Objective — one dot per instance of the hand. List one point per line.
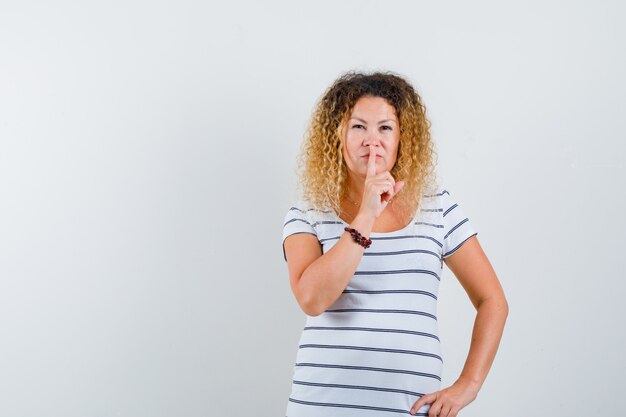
(447, 402)
(379, 189)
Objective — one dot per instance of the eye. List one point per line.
(386, 127)
(357, 126)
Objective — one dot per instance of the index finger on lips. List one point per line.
(371, 163)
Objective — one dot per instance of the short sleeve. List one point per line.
(456, 225)
(296, 221)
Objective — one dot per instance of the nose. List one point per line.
(372, 139)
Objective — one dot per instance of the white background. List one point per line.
(147, 155)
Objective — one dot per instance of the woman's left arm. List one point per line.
(474, 271)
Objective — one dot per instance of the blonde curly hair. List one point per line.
(322, 170)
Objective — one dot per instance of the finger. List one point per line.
(385, 187)
(421, 402)
(415, 409)
(445, 411)
(385, 191)
(435, 409)
(390, 177)
(397, 187)
(371, 162)
(388, 193)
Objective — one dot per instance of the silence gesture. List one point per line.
(379, 188)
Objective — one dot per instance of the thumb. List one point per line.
(399, 185)
(396, 188)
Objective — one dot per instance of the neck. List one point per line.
(354, 189)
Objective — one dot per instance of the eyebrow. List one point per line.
(382, 121)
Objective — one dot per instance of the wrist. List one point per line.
(364, 223)
(469, 383)
(358, 237)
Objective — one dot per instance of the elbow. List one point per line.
(503, 307)
(312, 312)
(496, 304)
(308, 299)
(311, 307)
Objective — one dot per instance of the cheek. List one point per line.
(395, 143)
(394, 149)
(345, 152)
(351, 147)
(390, 143)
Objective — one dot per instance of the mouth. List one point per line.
(367, 156)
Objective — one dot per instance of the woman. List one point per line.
(365, 248)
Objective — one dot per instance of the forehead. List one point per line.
(373, 107)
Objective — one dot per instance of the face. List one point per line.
(372, 124)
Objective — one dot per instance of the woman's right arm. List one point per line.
(317, 280)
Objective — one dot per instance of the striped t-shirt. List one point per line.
(376, 350)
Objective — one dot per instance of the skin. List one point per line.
(370, 150)
(474, 271)
(369, 181)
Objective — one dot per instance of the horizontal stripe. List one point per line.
(359, 387)
(375, 310)
(296, 220)
(404, 237)
(310, 209)
(392, 292)
(403, 252)
(368, 368)
(438, 226)
(372, 329)
(373, 238)
(373, 349)
(399, 271)
(326, 222)
(363, 407)
(431, 224)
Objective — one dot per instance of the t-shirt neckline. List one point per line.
(393, 232)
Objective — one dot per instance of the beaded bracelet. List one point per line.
(358, 238)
